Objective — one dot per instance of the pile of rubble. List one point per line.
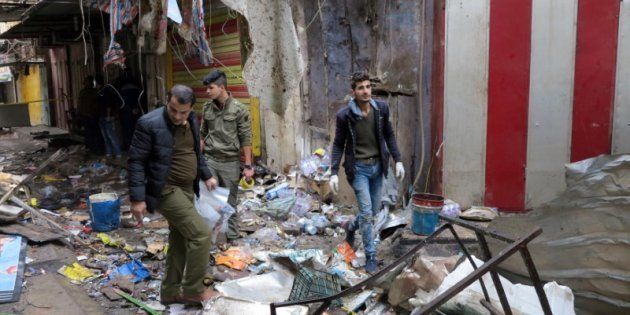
(292, 243)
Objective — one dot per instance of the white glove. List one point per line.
(400, 171)
(334, 184)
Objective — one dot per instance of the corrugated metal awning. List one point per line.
(54, 22)
(12, 10)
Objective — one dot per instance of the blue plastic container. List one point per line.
(104, 211)
(424, 219)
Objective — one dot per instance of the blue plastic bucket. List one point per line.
(424, 219)
(104, 211)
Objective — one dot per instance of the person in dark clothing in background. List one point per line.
(131, 110)
(108, 104)
(87, 111)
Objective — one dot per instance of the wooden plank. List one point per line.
(465, 100)
(621, 120)
(508, 100)
(256, 126)
(550, 98)
(595, 60)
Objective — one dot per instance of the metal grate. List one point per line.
(310, 283)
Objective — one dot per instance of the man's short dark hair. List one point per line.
(357, 77)
(99, 79)
(183, 94)
(89, 80)
(216, 77)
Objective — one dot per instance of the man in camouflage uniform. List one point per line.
(225, 131)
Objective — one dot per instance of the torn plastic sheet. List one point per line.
(227, 306)
(522, 298)
(266, 288)
(355, 301)
(348, 276)
(586, 240)
(76, 273)
(390, 189)
(134, 270)
(214, 209)
(298, 257)
(235, 257)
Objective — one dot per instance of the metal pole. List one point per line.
(494, 275)
(472, 262)
(533, 274)
(468, 280)
(365, 283)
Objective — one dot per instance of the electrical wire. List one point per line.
(82, 36)
(319, 12)
(178, 54)
(140, 61)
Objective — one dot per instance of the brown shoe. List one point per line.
(199, 298)
(166, 300)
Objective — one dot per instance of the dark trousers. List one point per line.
(93, 137)
(128, 126)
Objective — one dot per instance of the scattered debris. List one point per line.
(137, 302)
(76, 273)
(477, 213)
(291, 247)
(235, 258)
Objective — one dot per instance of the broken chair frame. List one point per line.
(490, 266)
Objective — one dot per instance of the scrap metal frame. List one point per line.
(490, 266)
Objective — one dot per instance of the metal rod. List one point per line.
(472, 277)
(472, 262)
(408, 242)
(363, 284)
(322, 308)
(476, 228)
(533, 274)
(489, 266)
(494, 275)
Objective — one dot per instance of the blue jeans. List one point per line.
(109, 136)
(367, 183)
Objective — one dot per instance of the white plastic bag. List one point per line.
(213, 207)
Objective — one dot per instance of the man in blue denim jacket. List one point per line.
(364, 133)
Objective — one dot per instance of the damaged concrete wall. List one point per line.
(393, 41)
(304, 54)
(273, 73)
(275, 67)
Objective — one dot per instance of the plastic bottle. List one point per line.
(310, 229)
(273, 193)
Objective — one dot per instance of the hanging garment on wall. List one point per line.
(115, 55)
(121, 13)
(162, 23)
(193, 31)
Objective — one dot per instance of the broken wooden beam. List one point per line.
(30, 177)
